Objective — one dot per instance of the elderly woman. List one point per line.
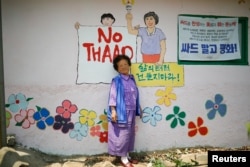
(123, 108)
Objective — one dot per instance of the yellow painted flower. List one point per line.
(166, 96)
(87, 117)
(104, 121)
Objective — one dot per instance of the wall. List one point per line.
(40, 48)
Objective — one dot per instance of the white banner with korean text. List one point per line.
(98, 46)
(208, 39)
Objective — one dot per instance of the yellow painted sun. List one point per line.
(125, 2)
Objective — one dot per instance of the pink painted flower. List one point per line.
(95, 130)
(25, 118)
(66, 109)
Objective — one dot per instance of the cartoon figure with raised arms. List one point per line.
(153, 45)
(107, 20)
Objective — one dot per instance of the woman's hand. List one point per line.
(114, 115)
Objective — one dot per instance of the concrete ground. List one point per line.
(22, 157)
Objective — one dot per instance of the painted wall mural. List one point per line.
(90, 124)
(97, 47)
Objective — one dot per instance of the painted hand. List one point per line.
(129, 16)
(159, 63)
(77, 25)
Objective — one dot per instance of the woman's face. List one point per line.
(123, 67)
(150, 21)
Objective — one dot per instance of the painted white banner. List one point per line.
(208, 39)
(97, 48)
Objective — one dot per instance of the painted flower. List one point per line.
(103, 121)
(87, 117)
(166, 96)
(63, 123)
(25, 118)
(197, 128)
(95, 130)
(151, 115)
(216, 106)
(79, 131)
(17, 102)
(104, 137)
(66, 109)
(8, 118)
(42, 116)
(177, 117)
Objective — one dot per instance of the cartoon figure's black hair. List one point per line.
(107, 15)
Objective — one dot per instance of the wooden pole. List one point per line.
(2, 97)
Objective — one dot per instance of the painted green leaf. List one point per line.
(38, 108)
(174, 123)
(30, 98)
(170, 116)
(181, 122)
(19, 123)
(176, 109)
(182, 114)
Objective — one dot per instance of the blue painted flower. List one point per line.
(151, 115)
(216, 106)
(42, 116)
(79, 131)
(177, 116)
(17, 102)
(63, 123)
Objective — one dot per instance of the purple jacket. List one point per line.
(120, 102)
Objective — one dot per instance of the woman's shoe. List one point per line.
(127, 164)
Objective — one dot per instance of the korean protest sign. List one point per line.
(208, 38)
(97, 48)
(167, 74)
